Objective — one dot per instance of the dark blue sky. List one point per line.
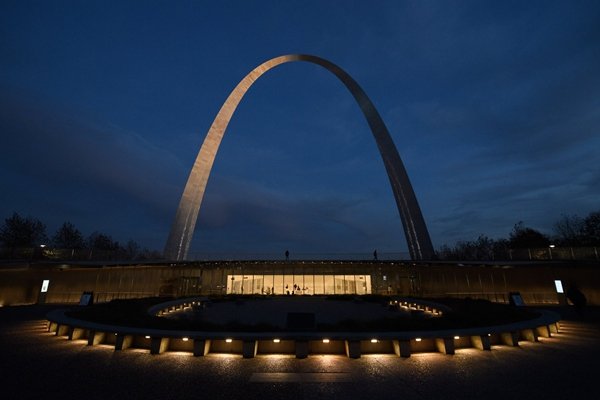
(494, 107)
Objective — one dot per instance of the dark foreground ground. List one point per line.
(37, 365)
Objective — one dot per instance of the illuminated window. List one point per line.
(299, 284)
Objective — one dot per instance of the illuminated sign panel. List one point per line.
(45, 284)
(559, 286)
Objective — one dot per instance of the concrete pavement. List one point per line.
(35, 364)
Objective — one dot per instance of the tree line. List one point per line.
(20, 232)
(568, 231)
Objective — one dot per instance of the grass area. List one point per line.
(465, 313)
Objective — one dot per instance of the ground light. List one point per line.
(64, 325)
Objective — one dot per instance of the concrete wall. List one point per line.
(21, 284)
(535, 282)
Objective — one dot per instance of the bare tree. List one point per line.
(591, 229)
(569, 230)
(102, 241)
(132, 250)
(68, 237)
(524, 237)
(22, 232)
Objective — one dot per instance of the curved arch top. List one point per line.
(182, 230)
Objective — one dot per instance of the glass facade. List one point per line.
(298, 284)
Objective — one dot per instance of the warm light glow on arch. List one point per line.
(180, 237)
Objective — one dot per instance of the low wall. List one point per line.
(21, 284)
(249, 344)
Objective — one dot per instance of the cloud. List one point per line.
(83, 162)
(247, 213)
(494, 108)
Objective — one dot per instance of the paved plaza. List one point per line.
(35, 364)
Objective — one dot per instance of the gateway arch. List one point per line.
(417, 236)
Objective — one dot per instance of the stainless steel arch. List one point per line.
(417, 236)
